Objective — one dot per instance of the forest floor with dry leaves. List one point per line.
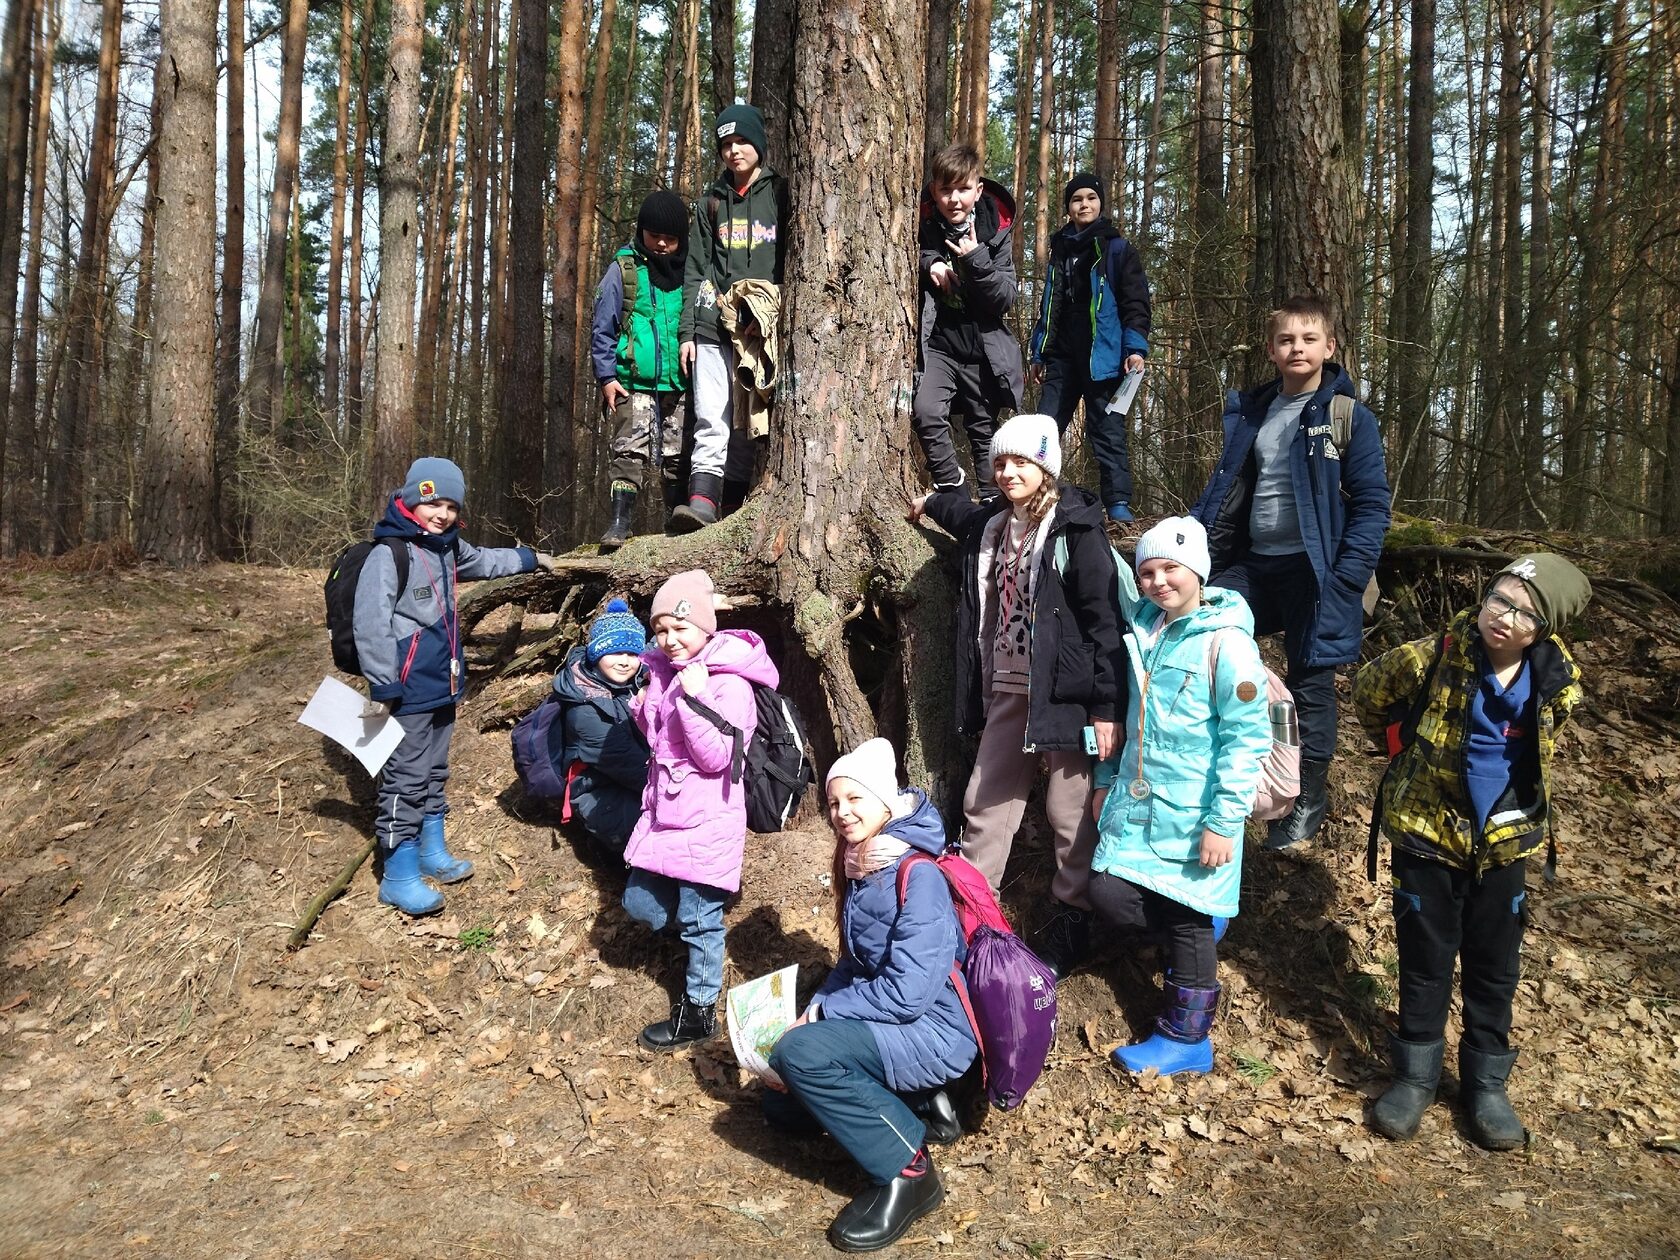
(174, 1083)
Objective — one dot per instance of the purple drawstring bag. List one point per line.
(1007, 991)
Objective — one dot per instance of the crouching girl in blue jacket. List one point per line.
(869, 1058)
(1171, 805)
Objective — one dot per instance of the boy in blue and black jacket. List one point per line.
(408, 640)
(1093, 327)
(602, 756)
(1295, 521)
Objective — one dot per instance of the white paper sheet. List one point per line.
(1121, 403)
(336, 711)
(758, 1013)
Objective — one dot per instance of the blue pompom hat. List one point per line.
(615, 630)
(433, 478)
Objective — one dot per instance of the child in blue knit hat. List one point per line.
(600, 753)
(408, 641)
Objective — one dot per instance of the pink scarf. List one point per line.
(868, 856)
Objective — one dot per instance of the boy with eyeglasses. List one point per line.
(1470, 721)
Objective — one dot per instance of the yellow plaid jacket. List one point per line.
(1425, 805)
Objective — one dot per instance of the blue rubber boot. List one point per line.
(401, 885)
(1221, 925)
(1120, 512)
(436, 861)
(1180, 1042)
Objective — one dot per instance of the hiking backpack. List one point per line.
(536, 738)
(774, 765)
(1280, 770)
(1007, 992)
(340, 591)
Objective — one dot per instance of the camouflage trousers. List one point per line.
(636, 419)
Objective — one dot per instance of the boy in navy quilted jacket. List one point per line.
(408, 638)
(603, 757)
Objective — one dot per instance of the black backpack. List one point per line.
(774, 765)
(342, 577)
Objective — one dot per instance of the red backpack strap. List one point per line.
(959, 982)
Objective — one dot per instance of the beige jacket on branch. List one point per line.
(749, 313)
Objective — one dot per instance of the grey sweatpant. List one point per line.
(997, 797)
(411, 785)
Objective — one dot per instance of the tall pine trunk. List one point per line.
(224, 507)
(399, 196)
(558, 471)
(1415, 285)
(174, 521)
(335, 235)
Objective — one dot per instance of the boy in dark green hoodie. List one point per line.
(737, 235)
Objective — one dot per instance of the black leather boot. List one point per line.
(1417, 1075)
(939, 1114)
(1488, 1114)
(623, 507)
(689, 1022)
(705, 494)
(881, 1214)
(1065, 940)
(1303, 822)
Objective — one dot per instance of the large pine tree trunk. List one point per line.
(224, 506)
(267, 385)
(1414, 286)
(558, 471)
(1105, 141)
(722, 13)
(977, 75)
(15, 119)
(399, 195)
(772, 72)
(353, 388)
(1304, 203)
(174, 520)
(23, 482)
(77, 394)
(935, 134)
(520, 449)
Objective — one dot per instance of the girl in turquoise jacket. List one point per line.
(1171, 804)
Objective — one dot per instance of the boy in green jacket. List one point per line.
(737, 235)
(633, 349)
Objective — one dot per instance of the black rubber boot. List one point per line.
(623, 509)
(1493, 1123)
(1064, 942)
(705, 493)
(689, 1022)
(1416, 1075)
(734, 494)
(676, 494)
(1303, 822)
(881, 1214)
(939, 1114)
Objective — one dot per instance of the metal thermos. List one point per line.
(1285, 729)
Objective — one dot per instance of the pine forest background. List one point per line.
(1485, 189)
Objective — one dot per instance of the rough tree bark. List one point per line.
(353, 396)
(1305, 205)
(224, 507)
(935, 133)
(772, 70)
(335, 234)
(266, 379)
(520, 438)
(558, 472)
(722, 14)
(1105, 139)
(1413, 288)
(174, 520)
(15, 120)
(399, 195)
(977, 75)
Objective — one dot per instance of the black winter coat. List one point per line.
(1078, 660)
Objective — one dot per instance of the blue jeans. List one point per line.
(1067, 381)
(696, 911)
(836, 1079)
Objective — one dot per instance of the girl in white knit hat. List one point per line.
(1171, 803)
(1039, 670)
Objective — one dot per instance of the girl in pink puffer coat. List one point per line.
(685, 853)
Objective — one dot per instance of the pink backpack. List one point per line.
(1280, 772)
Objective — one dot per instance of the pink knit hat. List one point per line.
(687, 597)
